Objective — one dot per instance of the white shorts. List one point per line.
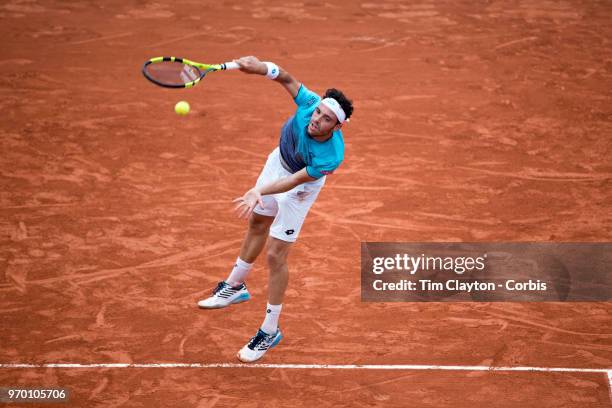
(289, 209)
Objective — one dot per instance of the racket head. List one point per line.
(174, 72)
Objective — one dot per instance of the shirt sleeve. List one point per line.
(318, 170)
(305, 98)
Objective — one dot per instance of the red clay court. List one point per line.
(474, 121)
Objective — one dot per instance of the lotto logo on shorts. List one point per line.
(326, 172)
(289, 232)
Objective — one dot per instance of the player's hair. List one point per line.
(345, 103)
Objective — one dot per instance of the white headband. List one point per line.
(335, 107)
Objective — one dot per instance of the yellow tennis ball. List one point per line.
(181, 108)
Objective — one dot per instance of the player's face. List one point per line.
(323, 121)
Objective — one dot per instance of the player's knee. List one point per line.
(276, 258)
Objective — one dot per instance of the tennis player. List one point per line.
(311, 147)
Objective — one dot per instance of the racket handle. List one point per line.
(231, 65)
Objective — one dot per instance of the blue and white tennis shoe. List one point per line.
(258, 345)
(224, 295)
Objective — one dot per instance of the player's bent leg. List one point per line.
(256, 236)
(226, 294)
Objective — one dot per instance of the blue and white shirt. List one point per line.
(298, 149)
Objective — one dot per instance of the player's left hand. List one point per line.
(247, 203)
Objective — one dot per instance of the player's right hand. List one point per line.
(252, 65)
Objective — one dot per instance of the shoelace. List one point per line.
(219, 288)
(255, 341)
(222, 285)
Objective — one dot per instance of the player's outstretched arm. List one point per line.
(248, 202)
(252, 65)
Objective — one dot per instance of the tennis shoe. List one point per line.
(258, 345)
(224, 295)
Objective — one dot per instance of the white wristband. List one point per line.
(273, 70)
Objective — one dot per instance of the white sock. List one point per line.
(270, 324)
(239, 272)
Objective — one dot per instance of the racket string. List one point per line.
(170, 73)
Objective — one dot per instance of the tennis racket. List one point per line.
(174, 72)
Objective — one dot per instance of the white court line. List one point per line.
(607, 371)
(413, 367)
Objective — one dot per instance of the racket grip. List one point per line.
(231, 65)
